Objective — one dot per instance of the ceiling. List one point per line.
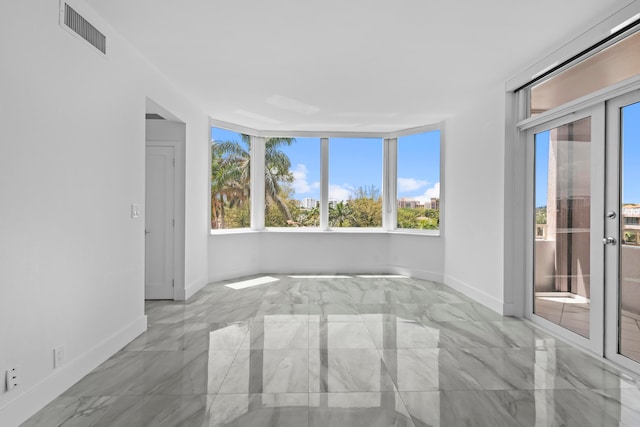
(336, 65)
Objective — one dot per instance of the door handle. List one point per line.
(147, 232)
(610, 241)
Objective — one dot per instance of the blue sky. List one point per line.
(630, 162)
(357, 162)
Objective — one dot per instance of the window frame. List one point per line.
(389, 179)
(312, 228)
(394, 197)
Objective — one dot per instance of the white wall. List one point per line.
(71, 164)
(238, 254)
(474, 178)
(234, 255)
(417, 256)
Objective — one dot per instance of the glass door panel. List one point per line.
(562, 264)
(629, 256)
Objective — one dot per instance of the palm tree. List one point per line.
(277, 166)
(229, 175)
(231, 172)
(340, 213)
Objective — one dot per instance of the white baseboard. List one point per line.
(38, 396)
(233, 274)
(483, 298)
(192, 289)
(417, 273)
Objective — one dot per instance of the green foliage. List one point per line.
(630, 237)
(238, 216)
(419, 218)
(340, 215)
(308, 217)
(541, 215)
(366, 207)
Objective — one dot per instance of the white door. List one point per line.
(159, 222)
(622, 231)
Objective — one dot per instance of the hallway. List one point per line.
(343, 350)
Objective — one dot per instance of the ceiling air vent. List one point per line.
(76, 23)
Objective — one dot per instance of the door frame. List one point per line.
(173, 134)
(612, 228)
(595, 342)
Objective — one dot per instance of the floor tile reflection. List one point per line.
(383, 409)
(343, 351)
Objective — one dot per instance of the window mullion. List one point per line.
(324, 183)
(389, 183)
(257, 182)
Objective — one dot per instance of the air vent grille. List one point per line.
(84, 29)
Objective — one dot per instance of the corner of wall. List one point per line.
(191, 289)
(483, 298)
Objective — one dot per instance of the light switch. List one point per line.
(135, 211)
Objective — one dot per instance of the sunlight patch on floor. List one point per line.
(252, 282)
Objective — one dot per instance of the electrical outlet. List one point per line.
(58, 356)
(13, 378)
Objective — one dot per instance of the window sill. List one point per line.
(416, 232)
(313, 230)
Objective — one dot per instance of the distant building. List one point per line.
(308, 203)
(631, 224)
(405, 202)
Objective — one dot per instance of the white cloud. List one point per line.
(410, 184)
(340, 192)
(300, 184)
(432, 192)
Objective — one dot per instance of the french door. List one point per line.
(622, 231)
(566, 289)
(584, 251)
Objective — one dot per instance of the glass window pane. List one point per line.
(562, 229)
(355, 182)
(230, 179)
(612, 65)
(292, 182)
(418, 185)
(630, 235)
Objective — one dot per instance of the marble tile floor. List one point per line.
(355, 351)
(630, 335)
